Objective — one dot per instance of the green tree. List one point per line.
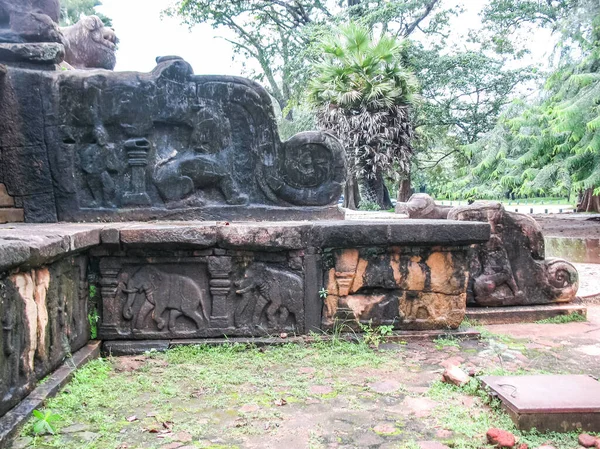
(71, 11)
(278, 34)
(363, 94)
(553, 145)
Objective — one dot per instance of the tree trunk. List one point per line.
(351, 193)
(589, 202)
(377, 192)
(404, 190)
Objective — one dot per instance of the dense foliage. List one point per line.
(549, 146)
(71, 11)
(362, 93)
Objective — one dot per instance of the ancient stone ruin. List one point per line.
(510, 269)
(98, 164)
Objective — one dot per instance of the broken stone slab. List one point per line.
(550, 403)
(40, 53)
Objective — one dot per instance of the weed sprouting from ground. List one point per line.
(563, 319)
(443, 342)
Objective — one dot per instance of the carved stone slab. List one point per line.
(44, 318)
(511, 268)
(209, 294)
(409, 288)
(123, 146)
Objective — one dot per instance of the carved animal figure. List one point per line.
(177, 294)
(29, 21)
(421, 205)
(89, 44)
(185, 173)
(511, 269)
(279, 291)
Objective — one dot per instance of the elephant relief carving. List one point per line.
(163, 292)
(276, 292)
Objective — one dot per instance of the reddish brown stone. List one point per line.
(500, 438)
(454, 375)
(587, 440)
(11, 216)
(5, 199)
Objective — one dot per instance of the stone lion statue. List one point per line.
(29, 21)
(90, 45)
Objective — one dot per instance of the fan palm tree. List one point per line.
(363, 95)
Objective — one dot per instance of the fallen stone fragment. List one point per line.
(431, 445)
(452, 361)
(587, 440)
(500, 438)
(522, 446)
(385, 429)
(184, 437)
(455, 375)
(597, 445)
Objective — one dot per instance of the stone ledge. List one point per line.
(42, 52)
(36, 244)
(521, 314)
(12, 421)
(137, 347)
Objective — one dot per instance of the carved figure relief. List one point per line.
(89, 44)
(97, 163)
(173, 145)
(273, 292)
(511, 269)
(163, 294)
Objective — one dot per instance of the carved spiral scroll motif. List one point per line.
(563, 279)
(311, 170)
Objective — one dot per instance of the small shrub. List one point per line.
(43, 422)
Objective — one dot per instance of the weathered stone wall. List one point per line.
(121, 146)
(407, 287)
(44, 314)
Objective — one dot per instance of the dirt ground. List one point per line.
(340, 395)
(570, 225)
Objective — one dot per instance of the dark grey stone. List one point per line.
(118, 348)
(101, 156)
(41, 53)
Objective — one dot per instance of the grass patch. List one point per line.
(171, 389)
(563, 319)
(469, 424)
(444, 342)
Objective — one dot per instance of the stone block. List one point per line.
(5, 199)
(39, 53)
(11, 215)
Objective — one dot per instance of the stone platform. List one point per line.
(188, 280)
(522, 314)
(549, 403)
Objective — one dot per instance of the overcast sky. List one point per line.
(144, 35)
